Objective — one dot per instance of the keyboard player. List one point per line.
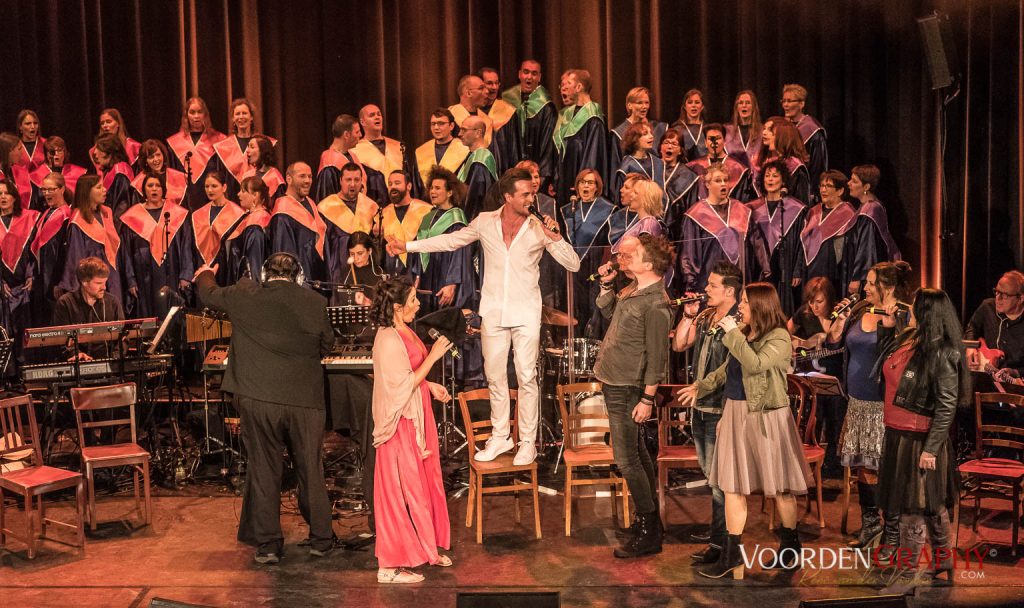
(90, 303)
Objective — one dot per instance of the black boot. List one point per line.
(711, 553)
(647, 540)
(729, 561)
(625, 534)
(790, 560)
(870, 519)
(938, 538)
(890, 539)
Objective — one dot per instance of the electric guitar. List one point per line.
(990, 360)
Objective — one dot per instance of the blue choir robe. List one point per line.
(440, 269)
(744, 146)
(386, 155)
(201, 162)
(816, 143)
(824, 244)
(156, 248)
(651, 167)
(799, 184)
(451, 156)
(298, 229)
(120, 193)
(249, 249)
(98, 238)
(48, 248)
(207, 232)
(782, 244)
(403, 223)
(870, 241)
(506, 138)
(537, 117)
(19, 265)
(708, 239)
(271, 177)
(691, 140)
(619, 132)
(229, 159)
(621, 220)
(342, 218)
(682, 190)
(740, 184)
(581, 142)
(479, 173)
(70, 172)
(586, 229)
(328, 177)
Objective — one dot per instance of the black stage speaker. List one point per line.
(940, 52)
(866, 601)
(508, 600)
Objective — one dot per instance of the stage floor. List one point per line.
(190, 555)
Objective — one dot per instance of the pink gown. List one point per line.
(409, 502)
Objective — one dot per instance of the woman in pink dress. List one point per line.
(408, 494)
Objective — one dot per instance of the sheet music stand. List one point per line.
(823, 385)
(350, 321)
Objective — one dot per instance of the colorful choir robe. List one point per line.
(743, 145)
(384, 156)
(19, 267)
(622, 219)
(272, 177)
(586, 228)
(342, 218)
(461, 114)
(175, 181)
(657, 128)
(98, 238)
(32, 159)
(826, 246)
(209, 229)
(328, 177)
(132, 149)
(506, 137)
(296, 227)
(48, 248)
(231, 161)
(816, 143)
(157, 249)
(708, 239)
(780, 223)
(479, 172)
(650, 166)
(872, 240)
(450, 156)
(120, 194)
(740, 186)
(27, 191)
(437, 270)
(691, 140)
(681, 191)
(194, 154)
(402, 223)
(799, 184)
(581, 142)
(250, 248)
(70, 172)
(537, 117)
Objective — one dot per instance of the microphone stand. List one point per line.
(167, 236)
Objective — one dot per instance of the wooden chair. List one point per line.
(671, 453)
(578, 453)
(22, 472)
(802, 398)
(477, 432)
(127, 453)
(1001, 478)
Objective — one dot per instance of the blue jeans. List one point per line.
(630, 452)
(704, 427)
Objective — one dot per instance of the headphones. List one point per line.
(278, 264)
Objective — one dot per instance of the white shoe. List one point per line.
(527, 453)
(494, 448)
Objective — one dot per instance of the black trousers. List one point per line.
(267, 429)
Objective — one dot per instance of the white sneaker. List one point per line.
(494, 448)
(527, 453)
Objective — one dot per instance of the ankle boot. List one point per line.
(647, 540)
(790, 560)
(711, 553)
(628, 533)
(870, 519)
(730, 561)
(890, 542)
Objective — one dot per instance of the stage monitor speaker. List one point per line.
(866, 601)
(508, 600)
(940, 52)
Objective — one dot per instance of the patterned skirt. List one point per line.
(860, 443)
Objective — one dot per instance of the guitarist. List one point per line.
(999, 321)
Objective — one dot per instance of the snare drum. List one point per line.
(581, 354)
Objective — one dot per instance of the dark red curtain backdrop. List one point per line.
(304, 61)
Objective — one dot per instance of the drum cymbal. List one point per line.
(552, 316)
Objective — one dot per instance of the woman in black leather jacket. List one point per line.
(924, 378)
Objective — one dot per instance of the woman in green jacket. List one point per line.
(759, 448)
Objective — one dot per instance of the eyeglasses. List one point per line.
(784, 100)
(1002, 294)
(588, 182)
(45, 190)
(827, 185)
(441, 123)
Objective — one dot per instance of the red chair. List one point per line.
(128, 453)
(1000, 478)
(22, 472)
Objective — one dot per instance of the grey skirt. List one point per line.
(860, 443)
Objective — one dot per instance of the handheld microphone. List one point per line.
(598, 275)
(698, 298)
(533, 211)
(900, 310)
(840, 309)
(452, 350)
(717, 329)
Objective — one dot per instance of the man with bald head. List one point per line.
(537, 116)
(384, 154)
(296, 226)
(346, 132)
(472, 98)
(506, 140)
(479, 172)
(581, 135)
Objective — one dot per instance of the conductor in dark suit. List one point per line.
(280, 332)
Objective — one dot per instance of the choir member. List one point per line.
(346, 212)
(552, 275)
(871, 232)
(779, 219)
(296, 225)
(401, 218)
(825, 250)
(581, 134)
(442, 149)
(690, 125)
(363, 271)
(19, 265)
(32, 143)
(112, 123)
(56, 162)
(260, 159)
(232, 158)
(12, 168)
(623, 217)
(157, 251)
(638, 105)
(637, 147)
(92, 233)
(740, 187)
(586, 227)
(250, 248)
(643, 198)
(743, 134)
(193, 149)
(48, 245)
(812, 134)
(479, 171)
(506, 141)
(718, 228)
(537, 116)
(383, 154)
(117, 175)
(346, 132)
(153, 161)
(472, 98)
(781, 141)
(211, 225)
(448, 275)
(682, 185)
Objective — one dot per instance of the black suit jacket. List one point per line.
(279, 332)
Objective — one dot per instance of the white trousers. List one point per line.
(525, 342)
